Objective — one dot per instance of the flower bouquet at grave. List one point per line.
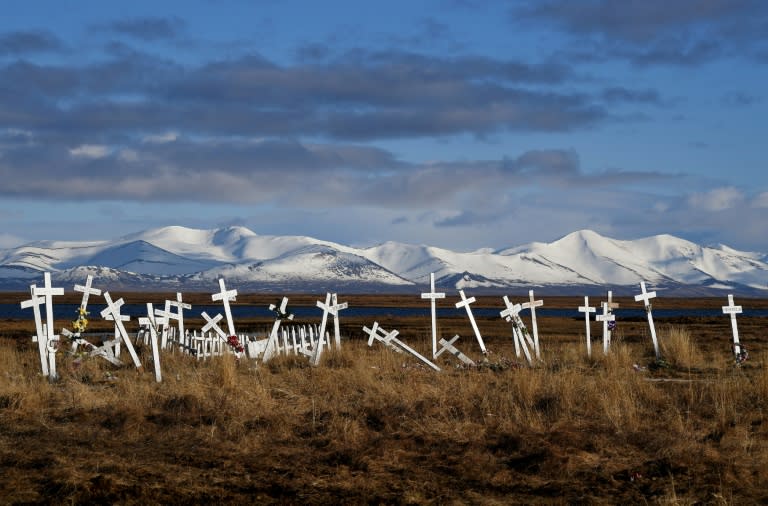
(742, 355)
(81, 323)
(234, 342)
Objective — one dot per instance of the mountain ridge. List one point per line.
(193, 259)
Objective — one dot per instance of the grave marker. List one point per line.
(465, 302)
(226, 296)
(113, 308)
(35, 302)
(606, 323)
(433, 296)
(181, 305)
(280, 313)
(390, 339)
(152, 322)
(606, 318)
(732, 310)
(586, 309)
(327, 309)
(519, 332)
(450, 348)
(532, 304)
(48, 292)
(646, 297)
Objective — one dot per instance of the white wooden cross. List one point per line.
(178, 303)
(433, 296)
(106, 351)
(226, 296)
(48, 292)
(280, 312)
(213, 324)
(35, 302)
(733, 310)
(465, 302)
(86, 291)
(646, 297)
(519, 332)
(606, 325)
(532, 304)
(166, 316)
(390, 338)
(336, 306)
(153, 322)
(606, 317)
(113, 308)
(450, 348)
(119, 304)
(327, 309)
(586, 309)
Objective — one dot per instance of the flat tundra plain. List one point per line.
(370, 426)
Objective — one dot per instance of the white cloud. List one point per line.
(161, 138)
(718, 199)
(90, 151)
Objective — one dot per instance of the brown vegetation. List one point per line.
(373, 426)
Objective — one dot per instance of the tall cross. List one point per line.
(646, 297)
(86, 291)
(35, 302)
(48, 292)
(606, 327)
(532, 304)
(586, 309)
(327, 309)
(337, 306)
(226, 296)
(606, 317)
(465, 302)
(113, 309)
(733, 310)
(152, 322)
(433, 296)
(180, 312)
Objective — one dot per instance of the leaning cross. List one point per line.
(390, 339)
(519, 332)
(86, 291)
(327, 309)
(586, 309)
(280, 312)
(226, 296)
(48, 292)
(606, 317)
(532, 304)
(465, 302)
(646, 297)
(152, 322)
(35, 302)
(450, 348)
(733, 310)
(433, 296)
(113, 309)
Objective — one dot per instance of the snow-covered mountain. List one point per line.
(178, 257)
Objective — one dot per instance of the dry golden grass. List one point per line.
(373, 426)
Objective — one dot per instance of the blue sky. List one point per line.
(456, 123)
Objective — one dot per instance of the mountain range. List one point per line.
(582, 262)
